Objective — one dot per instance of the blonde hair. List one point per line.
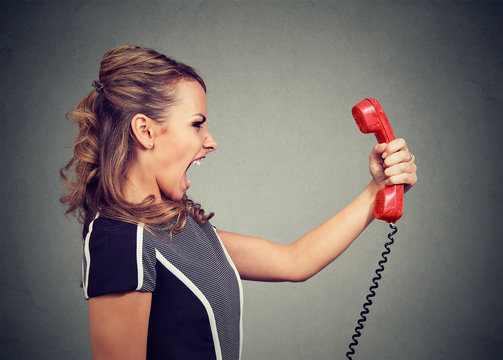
(132, 80)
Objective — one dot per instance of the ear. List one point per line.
(142, 129)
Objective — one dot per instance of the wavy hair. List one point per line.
(132, 80)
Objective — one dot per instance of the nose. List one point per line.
(210, 143)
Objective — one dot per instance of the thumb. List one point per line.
(378, 153)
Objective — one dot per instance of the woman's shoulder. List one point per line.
(102, 228)
(115, 258)
(112, 230)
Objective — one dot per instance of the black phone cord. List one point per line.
(365, 312)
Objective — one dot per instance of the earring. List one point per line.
(150, 144)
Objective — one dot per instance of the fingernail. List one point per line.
(384, 154)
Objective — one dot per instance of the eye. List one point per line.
(198, 124)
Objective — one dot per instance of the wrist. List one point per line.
(374, 187)
(379, 183)
(369, 195)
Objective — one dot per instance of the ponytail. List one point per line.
(85, 163)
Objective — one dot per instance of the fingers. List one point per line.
(399, 157)
(402, 173)
(399, 164)
(400, 168)
(396, 145)
(393, 164)
(408, 179)
(396, 152)
(376, 154)
(378, 150)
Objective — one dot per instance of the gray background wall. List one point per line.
(282, 78)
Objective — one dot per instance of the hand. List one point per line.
(393, 164)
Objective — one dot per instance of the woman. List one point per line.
(162, 283)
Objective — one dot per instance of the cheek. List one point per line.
(169, 154)
(169, 168)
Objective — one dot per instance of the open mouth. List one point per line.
(197, 162)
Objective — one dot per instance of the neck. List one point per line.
(139, 183)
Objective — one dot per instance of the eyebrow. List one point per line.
(202, 116)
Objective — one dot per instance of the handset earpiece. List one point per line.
(366, 117)
(370, 118)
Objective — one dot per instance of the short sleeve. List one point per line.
(116, 259)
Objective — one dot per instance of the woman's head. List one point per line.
(167, 148)
(138, 89)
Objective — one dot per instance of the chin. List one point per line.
(173, 196)
(177, 198)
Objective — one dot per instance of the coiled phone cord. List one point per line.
(365, 312)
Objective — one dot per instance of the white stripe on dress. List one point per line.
(200, 296)
(139, 254)
(87, 255)
(240, 292)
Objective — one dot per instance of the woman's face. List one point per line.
(181, 140)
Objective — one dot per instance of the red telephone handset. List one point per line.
(370, 117)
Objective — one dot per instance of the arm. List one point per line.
(259, 259)
(118, 325)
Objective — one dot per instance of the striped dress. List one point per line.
(196, 310)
